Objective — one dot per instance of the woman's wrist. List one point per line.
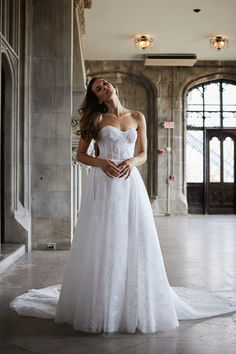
(134, 161)
(98, 161)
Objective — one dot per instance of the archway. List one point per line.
(137, 92)
(6, 146)
(210, 152)
(3, 96)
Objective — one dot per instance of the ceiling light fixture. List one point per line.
(143, 41)
(219, 41)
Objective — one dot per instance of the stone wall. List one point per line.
(15, 184)
(44, 78)
(172, 84)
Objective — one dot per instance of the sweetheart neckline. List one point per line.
(122, 131)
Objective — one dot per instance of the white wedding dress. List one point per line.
(115, 280)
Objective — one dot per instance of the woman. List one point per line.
(101, 98)
(115, 279)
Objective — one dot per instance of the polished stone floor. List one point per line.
(199, 252)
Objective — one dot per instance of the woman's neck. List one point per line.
(114, 106)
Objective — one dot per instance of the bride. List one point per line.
(115, 280)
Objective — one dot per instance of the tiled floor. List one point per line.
(199, 252)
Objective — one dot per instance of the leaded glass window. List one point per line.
(195, 156)
(209, 105)
(228, 161)
(214, 160)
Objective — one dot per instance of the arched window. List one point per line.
(208, 105)
(210, 111)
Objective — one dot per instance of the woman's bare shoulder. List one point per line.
(138, 114)
(139, 117)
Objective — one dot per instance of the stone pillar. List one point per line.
(52, 40)
(79, 172)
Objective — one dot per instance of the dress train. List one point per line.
(115, 280)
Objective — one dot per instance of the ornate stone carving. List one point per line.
(79, 6)
(88, 4)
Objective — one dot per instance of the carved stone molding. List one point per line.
(5, 47)
(79, 6)
(88, 4)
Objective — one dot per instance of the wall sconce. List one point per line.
(143, 41)
(219, 41)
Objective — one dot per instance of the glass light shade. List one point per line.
(219, 42)
(143, 41)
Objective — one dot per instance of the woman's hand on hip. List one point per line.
(110, 168)
(126, 167)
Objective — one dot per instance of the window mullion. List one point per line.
(203, 105)
(221, 105)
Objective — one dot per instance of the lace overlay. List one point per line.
(115, 278)
(116, 144)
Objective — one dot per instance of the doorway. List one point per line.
(210, 148)
(2, 213)
(220, 171)
(7, 108)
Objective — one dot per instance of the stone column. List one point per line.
(51, 122)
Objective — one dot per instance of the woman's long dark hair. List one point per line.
(90, 111)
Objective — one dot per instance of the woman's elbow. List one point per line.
(79, 156)
(144, 156)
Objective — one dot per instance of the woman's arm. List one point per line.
(127, 165)
(82, 155)
(108, 166)
(141, 156)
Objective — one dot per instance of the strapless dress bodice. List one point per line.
(116, 144)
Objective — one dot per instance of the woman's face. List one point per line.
(103, 89)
